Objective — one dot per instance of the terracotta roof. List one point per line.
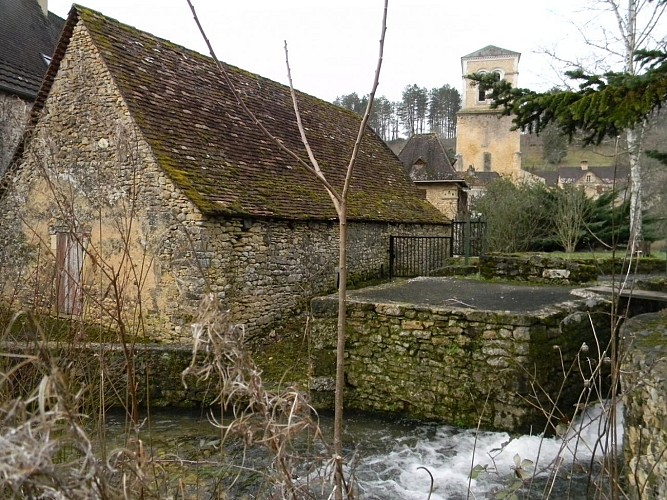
(491, 51)
(212, 151)
(26, 37)
(425, 159)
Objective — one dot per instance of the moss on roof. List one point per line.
(212, 151)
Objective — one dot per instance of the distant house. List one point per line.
(595, 180)
(478, 182)
(28, 36)
(143, 186)
(426, 161)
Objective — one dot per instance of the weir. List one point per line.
(464, 352)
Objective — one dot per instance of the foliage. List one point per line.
(571, 210)
(608, 222)
(419, 111)
(412, 109)
(444, 103)
(602, 107)
(532, 217)
(554, 145)
(517, 215)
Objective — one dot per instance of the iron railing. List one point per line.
(411, 256)
(474, 239)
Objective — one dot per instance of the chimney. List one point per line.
(44, 5)
(584, 164)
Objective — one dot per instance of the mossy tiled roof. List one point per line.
(211, 150)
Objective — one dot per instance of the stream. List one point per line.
(392, 458)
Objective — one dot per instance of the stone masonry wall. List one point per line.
(13, 116)
(459, 366)
(644, 384)
(536, 268)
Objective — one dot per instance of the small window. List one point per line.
(70, 253)
(487, 162)
(588, 178)
(47, 59)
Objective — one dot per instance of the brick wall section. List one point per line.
(443, 364)
(88, 170)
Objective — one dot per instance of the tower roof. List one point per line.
(491, 51)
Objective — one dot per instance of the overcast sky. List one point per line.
(333, 44)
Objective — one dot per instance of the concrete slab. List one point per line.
(468, 293)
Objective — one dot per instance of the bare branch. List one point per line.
(371, 98)
(335, 196)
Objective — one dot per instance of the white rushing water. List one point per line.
(450, 454)
(390, 457)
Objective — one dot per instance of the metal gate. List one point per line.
(411, 256)
(471, 234)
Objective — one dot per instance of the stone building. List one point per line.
(426, 161)
(28, 35)
(484, 139)
(594, 180)
(143, 185)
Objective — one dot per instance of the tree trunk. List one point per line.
(634, 141)
(340, 348)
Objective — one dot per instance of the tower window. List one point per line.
(487, 162)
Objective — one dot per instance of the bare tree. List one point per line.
(569, 216)
(339, 200)
(635, 23)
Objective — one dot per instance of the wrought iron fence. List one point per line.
(411, 256)
(475, 239)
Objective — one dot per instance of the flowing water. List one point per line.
(392, 458)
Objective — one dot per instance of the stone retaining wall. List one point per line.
(644, 383)
(536, 268)
(158, 372)
(544, 268)
(457, 365)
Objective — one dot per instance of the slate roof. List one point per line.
(479, 179)
(211, 150)
(491, 51)
(26, 36)
(428, 150)
(566, 175)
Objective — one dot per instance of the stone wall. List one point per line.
(461, 366)
(158, 369)
(13, 117)
(535, 268)
(644, 384)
